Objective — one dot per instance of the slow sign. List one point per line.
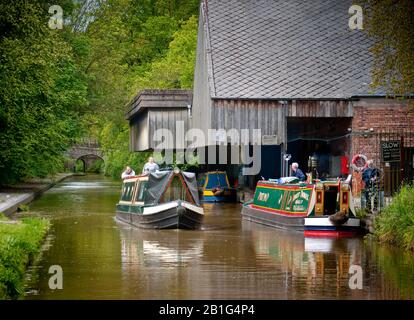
(390, 151)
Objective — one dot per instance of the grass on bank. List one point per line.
(20, 242)
(395, 225)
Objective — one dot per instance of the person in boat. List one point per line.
(150, 166)
(296, 172)
(128, 172)
(370, 176)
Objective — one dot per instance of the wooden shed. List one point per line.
(151, 110)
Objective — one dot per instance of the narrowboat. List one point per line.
(161, 200)
(216, 187)
(334, 212)
(323, 208)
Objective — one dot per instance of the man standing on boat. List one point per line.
(296, 172)
(150, 166)
(127, 173)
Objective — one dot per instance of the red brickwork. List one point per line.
(393, 118)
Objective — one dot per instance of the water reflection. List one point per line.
(228, 259)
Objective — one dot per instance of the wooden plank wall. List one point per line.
(320, 108)
(138, 132)
(269, 116)
(166, 119)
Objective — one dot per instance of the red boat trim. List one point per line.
(330, 233)
(286, 213)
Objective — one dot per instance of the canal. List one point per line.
(229, 259)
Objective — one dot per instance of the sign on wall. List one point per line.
(390, 151)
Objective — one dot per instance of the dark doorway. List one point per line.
(270, 162)
(325, 138)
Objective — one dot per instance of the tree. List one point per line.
(176, 69)
(40, 91)
(391, 24)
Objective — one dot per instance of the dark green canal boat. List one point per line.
(161, 200)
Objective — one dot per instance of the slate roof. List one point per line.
(291, 49)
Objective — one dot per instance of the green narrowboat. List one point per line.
(161, 200)
(320, 209)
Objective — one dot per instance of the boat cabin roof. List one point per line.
(162, 186)
(216, 179)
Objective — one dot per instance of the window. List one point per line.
(176, 191)
(141, 187)
(127, 191)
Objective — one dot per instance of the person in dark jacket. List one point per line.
(296, 172)
(370, 176)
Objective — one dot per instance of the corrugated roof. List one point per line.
(274, 49)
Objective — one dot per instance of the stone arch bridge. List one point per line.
(87, 151)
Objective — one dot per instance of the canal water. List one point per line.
(229, 259)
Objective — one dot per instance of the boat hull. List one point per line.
(324, 227)
(273, 219)
(228, 195)
(172, 215)
(225, 198)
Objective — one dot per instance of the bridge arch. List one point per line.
(87, 152)
(88, 161)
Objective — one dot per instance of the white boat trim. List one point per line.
(192, 207)
(125, 202)
(159, 207)
(324, 221)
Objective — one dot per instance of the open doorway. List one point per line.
(327, 139)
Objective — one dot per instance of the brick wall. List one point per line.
(381, 116)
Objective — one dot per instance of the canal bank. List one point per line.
(20, 245)
(14, 196)
(21, 239)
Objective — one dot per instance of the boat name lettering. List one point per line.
(263, 196)
(304, 195)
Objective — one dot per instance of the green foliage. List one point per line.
(361, 213)
(40, 90)
(24, 207)
(396, 223)
(59, 85)
(154, 48)
(176, 69)
(19, 243)
(115, 144)
(96, 167)
(391, 24)
(79, 166)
